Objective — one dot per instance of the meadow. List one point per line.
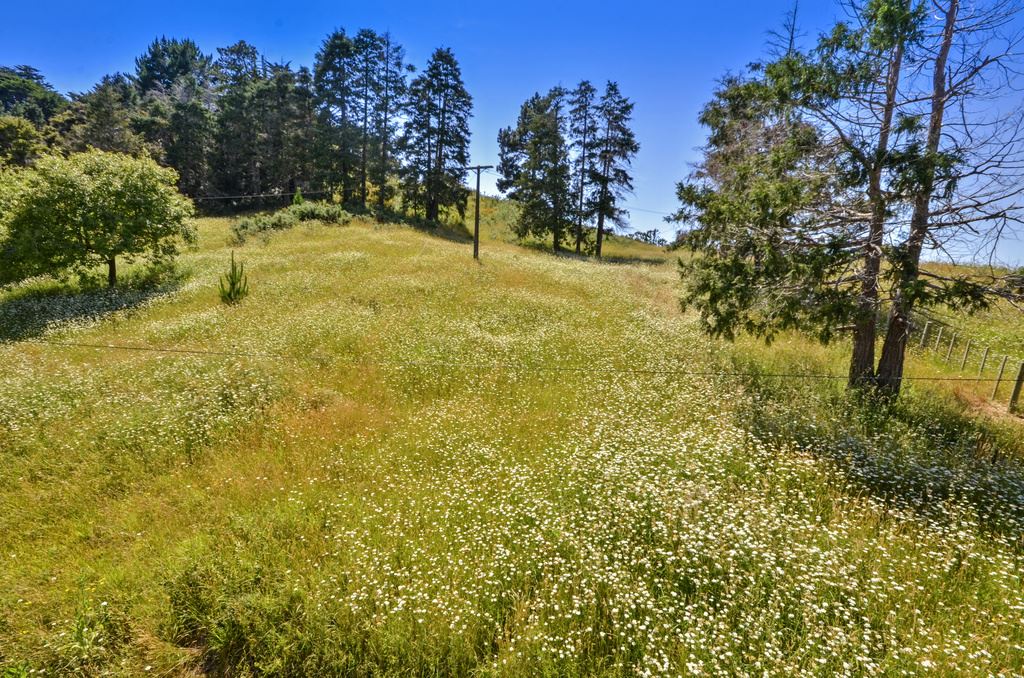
(392, 460)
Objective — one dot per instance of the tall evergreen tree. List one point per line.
(190, 137)
(282, 101)
(534, 168)
(616, 147)
(583, 130)
(237, 72)
(368, 57)
(25, 93)
(334, 76)
(437, 137)
(105, 118)
(393, 89)
(168, 60)
(176, 113)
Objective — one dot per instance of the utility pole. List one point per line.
(476, 220)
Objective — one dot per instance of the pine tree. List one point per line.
(534, 168)
(436, 141)
(368, 57)
(334, 77)
(393, 89)
(176, 113)
(583, 130)
(616, 147)
(190, 137)
(237, 72)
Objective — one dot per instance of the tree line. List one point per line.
(831, 171)
(566, 163)
(362, 123)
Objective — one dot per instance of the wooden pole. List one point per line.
(1016, 390)
(999, 379)
(938, 338)
(984, 359)
(949, 351)
(924, 333)
(476, 216)
(967, 352)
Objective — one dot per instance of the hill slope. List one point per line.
(393, 459)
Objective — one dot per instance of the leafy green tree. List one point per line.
(26, 94)
(20, 141)
(616, 148)
(534, 168)
(583, 131)
(436, 141)
(90, 209)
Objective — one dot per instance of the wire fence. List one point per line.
(965, 353)
(512, 366)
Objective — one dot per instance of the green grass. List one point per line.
(416, 464)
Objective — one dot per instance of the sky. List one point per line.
(666, 57)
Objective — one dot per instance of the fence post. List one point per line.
(938, 338)
(1016, 389)
(924, 333)
(967, 351)
(949, 351)
(999, 379)
(984, 360)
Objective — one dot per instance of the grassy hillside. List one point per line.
(395, 460)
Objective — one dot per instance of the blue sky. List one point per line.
(666, 56)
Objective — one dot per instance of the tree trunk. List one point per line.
(862, 360)
(583, 185)
(890, 366)
(111, 272)
(366, 138)
(601, 210)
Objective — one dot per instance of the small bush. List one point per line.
(235, 285)
(320, 211)
(297, 198)
(289, 217)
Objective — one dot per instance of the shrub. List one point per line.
(235, 285)
(288, 217)
(320, 211)
(297, 197)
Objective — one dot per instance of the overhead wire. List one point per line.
(523, 367)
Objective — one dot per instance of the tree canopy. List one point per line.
(829, 171)
(73, 214)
